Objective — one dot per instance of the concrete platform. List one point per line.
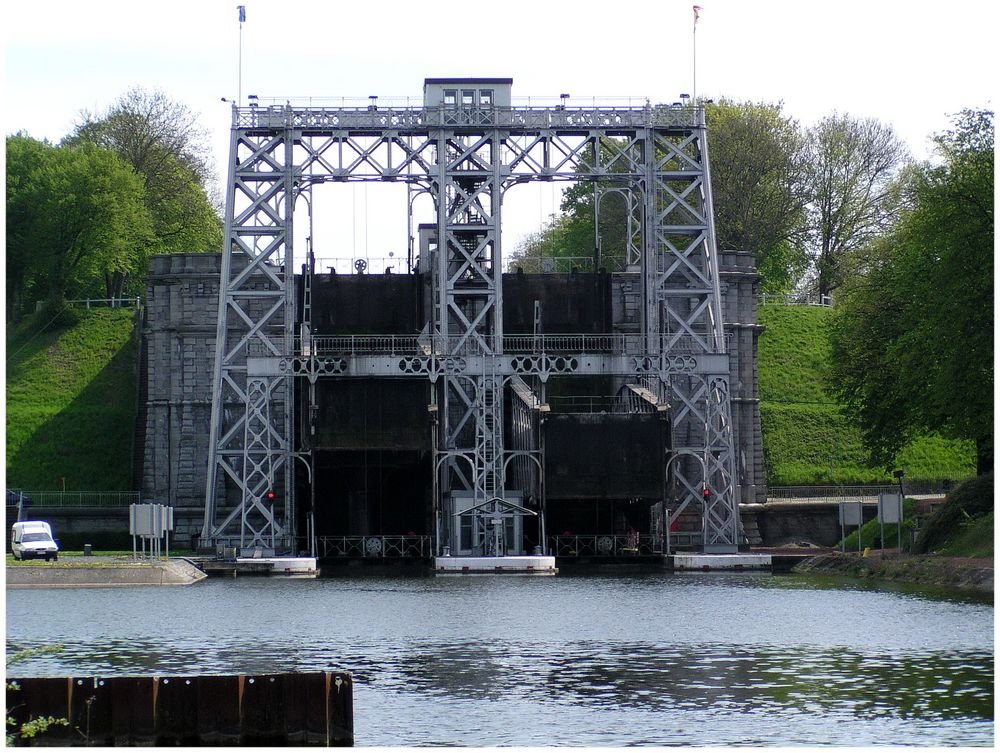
(103, 572)
(288, 567)
(517, 565)
(724, 562)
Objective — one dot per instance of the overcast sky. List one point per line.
(908, 63)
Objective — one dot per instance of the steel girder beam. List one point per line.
(535, 365)
(656, 155)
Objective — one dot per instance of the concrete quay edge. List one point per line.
(174, 572)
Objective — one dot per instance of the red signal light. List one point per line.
(270, 495)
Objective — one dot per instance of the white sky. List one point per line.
(908, 63)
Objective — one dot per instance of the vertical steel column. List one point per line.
(684, 314)
(256, 318)
(468, 304)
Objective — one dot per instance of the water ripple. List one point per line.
(564, 667)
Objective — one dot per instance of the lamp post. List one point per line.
(898, 475)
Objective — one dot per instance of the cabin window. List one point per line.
(468, 98)
(450, 97)
(486, 97)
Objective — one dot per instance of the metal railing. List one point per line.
(563, 264)
(383, 115)
(115, 303)
(795, 299)
(606, 545)
(417, 345)
(586, 404)
(354, 265)
(73, 499)
(864, 492)
(376, 547)
(412, 101)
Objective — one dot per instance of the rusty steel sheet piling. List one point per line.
(314, 708)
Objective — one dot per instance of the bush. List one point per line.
(966, 502)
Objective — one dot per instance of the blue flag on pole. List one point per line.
(243, 12)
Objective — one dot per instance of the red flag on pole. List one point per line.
(696, 8)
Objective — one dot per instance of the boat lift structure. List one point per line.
(465, 147)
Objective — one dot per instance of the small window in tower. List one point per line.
(450, 97)
(486, 97)
(468, 98)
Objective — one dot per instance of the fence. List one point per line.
(72, 499)
(796, 299)
(606, 545)
(376, 547)
(415, 345)
(115, 303)
(865, 493)
(564, 264)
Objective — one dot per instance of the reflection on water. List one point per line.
(600, 661)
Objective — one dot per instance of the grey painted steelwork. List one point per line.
(466, 149)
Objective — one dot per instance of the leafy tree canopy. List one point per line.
(913, 331)
(759, 184)
(853, 163)
(162, 141)
(76, 218)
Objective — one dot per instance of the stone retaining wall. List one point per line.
(957, 573)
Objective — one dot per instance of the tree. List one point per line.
(78, 217)
(852, 166)
(24, 154)
(164, 144)
(759, 187)
(913, 331)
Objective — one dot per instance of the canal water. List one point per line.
(654, 659)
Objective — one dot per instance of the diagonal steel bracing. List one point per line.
(655, 158)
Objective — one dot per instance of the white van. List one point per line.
(33, 538)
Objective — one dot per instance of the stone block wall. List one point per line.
(738, 283)
(182, 304)
(182, 299)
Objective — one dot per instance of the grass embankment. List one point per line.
(807, 440)
(67, 559)
(71, 390)
(963, 525)
(71, 402)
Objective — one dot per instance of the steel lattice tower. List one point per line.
(466, 157)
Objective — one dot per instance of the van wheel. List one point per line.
(55, 557)
(14, 555)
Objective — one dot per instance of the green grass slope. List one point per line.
(71, 402)
(807, 440)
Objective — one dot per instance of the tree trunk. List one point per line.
(984, 455)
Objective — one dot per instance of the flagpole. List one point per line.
(694, 55)
(694, 61)
(239, 79)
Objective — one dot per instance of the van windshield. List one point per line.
(36, 537)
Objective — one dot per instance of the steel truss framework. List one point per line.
(655, 157)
